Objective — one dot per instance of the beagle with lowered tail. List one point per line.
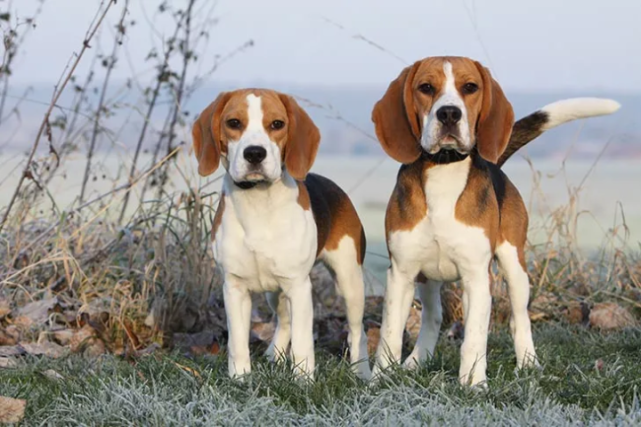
(274, 220)
(453, 210)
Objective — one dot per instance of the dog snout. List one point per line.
(449, 115)
(254, 154)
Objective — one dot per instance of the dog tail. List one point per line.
(553, 115)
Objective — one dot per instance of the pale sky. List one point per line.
(529, 45)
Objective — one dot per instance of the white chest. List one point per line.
(266, 240)
(440, 246)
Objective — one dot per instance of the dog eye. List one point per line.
(233, 123)
(277, 124)
(470, 88)
(426, 88)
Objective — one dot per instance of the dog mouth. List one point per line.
(255, 176)
(449, 142)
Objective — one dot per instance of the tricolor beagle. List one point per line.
(453, 210)
(274, 220)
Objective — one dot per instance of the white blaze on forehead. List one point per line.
(450, 95)
(254, 113)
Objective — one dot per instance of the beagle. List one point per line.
(274, 220)
(453, 210)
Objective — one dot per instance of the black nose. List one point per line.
(254, 154)
(449, 115)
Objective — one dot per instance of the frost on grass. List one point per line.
(175, 390)
(135, 403)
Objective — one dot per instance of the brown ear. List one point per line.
(206, 135)
(303, 139)
(397, 125)
(494, 126)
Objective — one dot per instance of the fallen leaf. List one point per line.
(11, 350)
(188, 369)
(577, 313)
(46, 348)
(373, 337)
(6, 362)
(6, 339)
(610, 316)
(11, 410)
(263, 331)
(36, 312)
(215, 348)
(86, 341)
(63, 336)
(413, 324)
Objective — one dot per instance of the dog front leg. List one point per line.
(238, 306)
(398, 301)
(478, 306)
(299, 297)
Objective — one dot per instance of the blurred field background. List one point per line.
(104, 233)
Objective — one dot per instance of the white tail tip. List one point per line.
(577, 108)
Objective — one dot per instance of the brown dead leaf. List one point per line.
(373, 337)
(36, 312)
(215, 348)
(6, 339)
(11, 410)
(63, 336)
(611, 316)
(577, 313)
(188, 369)
(413, 324)
(86, 341)
(45, 348)
(263, 331)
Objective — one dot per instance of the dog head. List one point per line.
(443, 103)
(256, 134)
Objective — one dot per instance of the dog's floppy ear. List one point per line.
(494, 125)
(397, 125)
(303, 139)
(206, 133)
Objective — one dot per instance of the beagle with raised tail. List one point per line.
(453, 210)
(274, 220)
